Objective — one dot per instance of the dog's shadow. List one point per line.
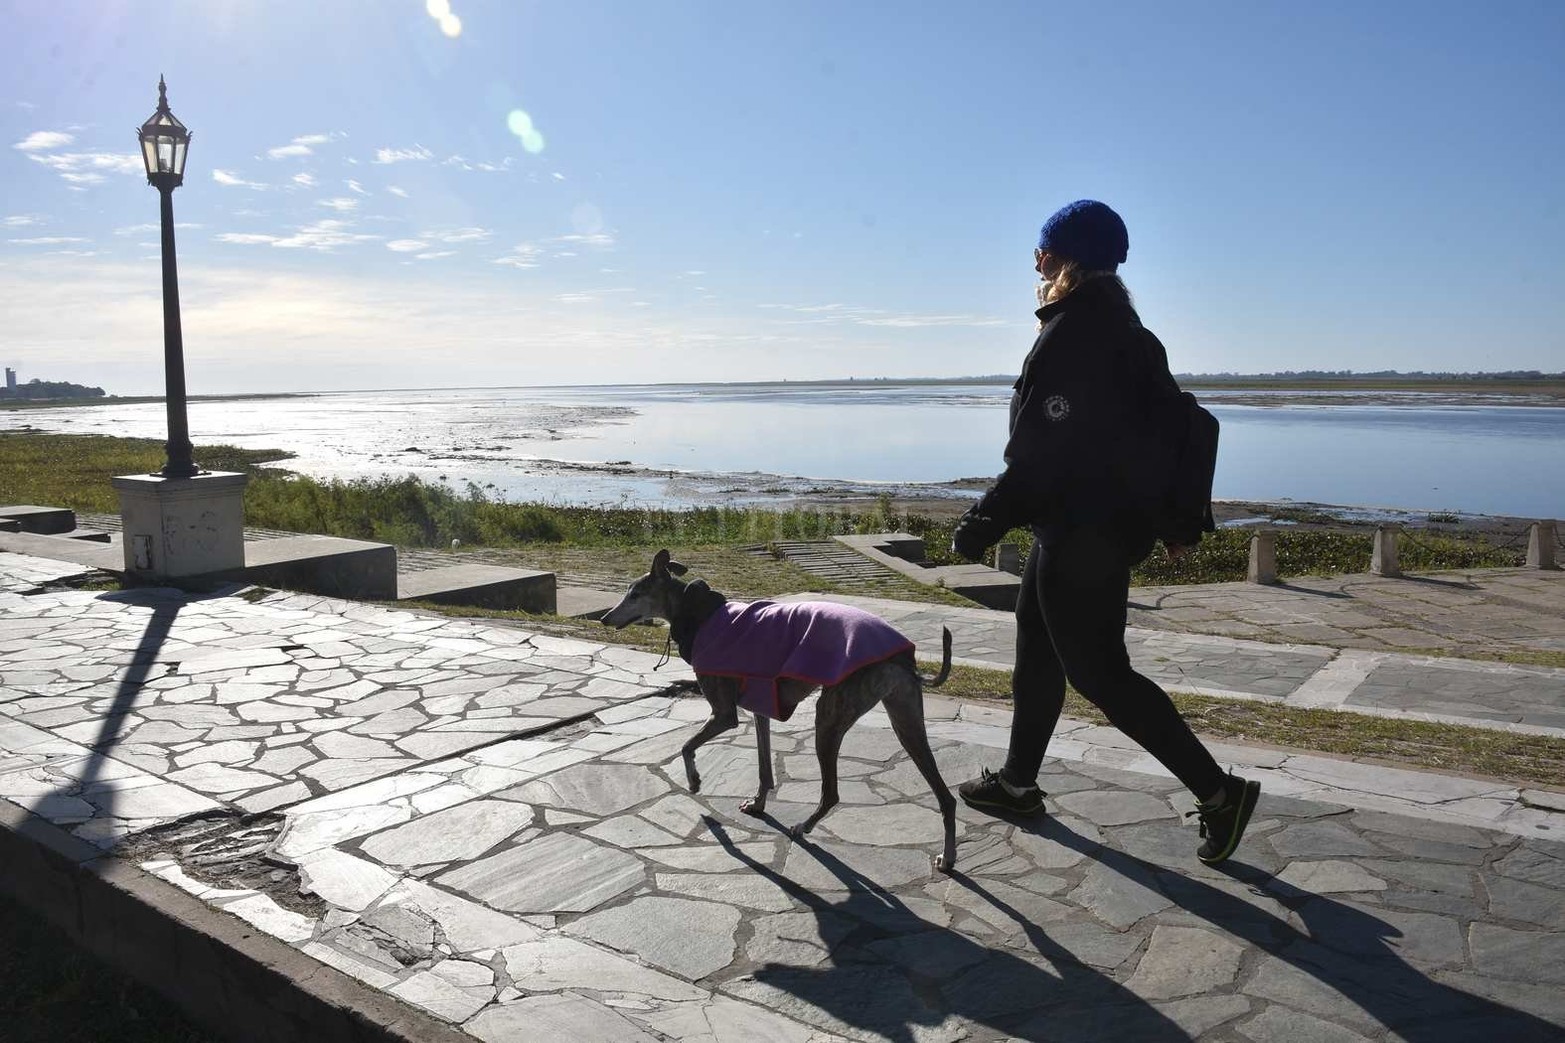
(901, 976)
(922, 976)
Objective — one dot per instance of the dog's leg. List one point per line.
(722, 694)
(840, 706)
(905, 706)
(763, 751)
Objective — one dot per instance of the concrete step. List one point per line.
(486, 586)
(584, 602)
(90, 535)
(58, 548)
(319, 565)
(44, 521)
(904, 554)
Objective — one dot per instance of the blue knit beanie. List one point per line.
(1087, 232)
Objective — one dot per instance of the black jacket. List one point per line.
(1085, 449)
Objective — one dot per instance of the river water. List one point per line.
(684, 444)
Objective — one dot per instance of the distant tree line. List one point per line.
(1383, 374)
(36, 388)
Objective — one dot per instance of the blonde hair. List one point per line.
(1071, 276)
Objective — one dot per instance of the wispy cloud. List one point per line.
(598, 240)
(355, 186)
(341, 204)
(277, 327)
(459, 235)
(394, 190)
(49, 240)
(574, 298)
(89, 168)
(307, 180)
(233, 180)
(140, 229)
(303, 145)
(402, 155)
(21, 220)
(44, 141)
(433, 254)
(323, 236)
(407, 246)
(461, 162)
(523, 255)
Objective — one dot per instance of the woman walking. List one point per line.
(1086, 468)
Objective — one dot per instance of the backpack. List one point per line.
(1185, 511)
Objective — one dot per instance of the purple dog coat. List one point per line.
(818, 642)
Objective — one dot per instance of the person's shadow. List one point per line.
(1342, 949)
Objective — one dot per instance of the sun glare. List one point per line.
(440, 11)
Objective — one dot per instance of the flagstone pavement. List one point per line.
(493, 825)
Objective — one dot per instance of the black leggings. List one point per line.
(1070, 623)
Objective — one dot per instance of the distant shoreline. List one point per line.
(139, 400)
(1270, 391)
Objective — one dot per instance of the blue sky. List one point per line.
(718, 191)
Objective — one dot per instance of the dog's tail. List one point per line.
(945, 662)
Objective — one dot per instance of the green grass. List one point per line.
(73, 471)
(57, 993)
(1224, 556)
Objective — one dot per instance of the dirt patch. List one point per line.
(229, 851)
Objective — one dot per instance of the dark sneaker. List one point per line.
(988, 793)
(1222, 827)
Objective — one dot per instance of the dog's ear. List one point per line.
(676, 568)
(660, 563)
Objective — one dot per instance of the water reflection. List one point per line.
(1419, 456)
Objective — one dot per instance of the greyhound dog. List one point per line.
(892, 681)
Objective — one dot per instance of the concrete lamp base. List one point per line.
(182, 526)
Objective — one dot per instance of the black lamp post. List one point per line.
(164, 143)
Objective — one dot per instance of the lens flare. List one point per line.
(521, 124)
(451, 25)
(438, 9)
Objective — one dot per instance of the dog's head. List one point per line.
(653, 596)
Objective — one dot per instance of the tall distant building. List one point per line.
(10, 379)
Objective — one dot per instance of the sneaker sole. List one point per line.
(1247, 799)
(994, 805)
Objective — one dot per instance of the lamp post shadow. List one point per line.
(94, 784)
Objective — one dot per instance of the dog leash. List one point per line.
(667, 646)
